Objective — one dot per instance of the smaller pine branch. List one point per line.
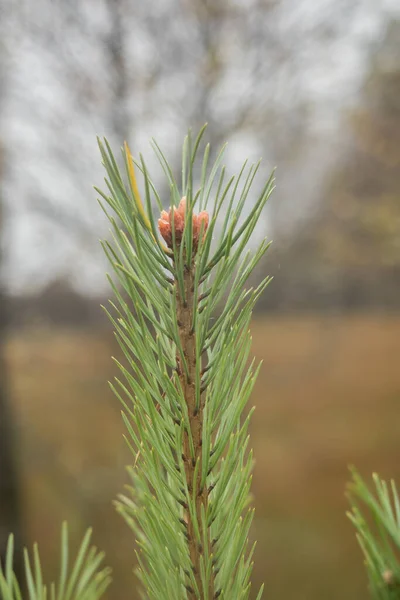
(85, 579)
(376, 517)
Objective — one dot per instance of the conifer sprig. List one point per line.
(186, 378)
(378, 533)
(85, 579)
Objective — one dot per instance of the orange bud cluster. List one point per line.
(200, 221)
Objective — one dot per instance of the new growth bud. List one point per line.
(200, 222)
(389, 578)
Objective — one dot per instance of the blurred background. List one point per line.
(313, 88)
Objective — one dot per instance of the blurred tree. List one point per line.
(347, 255)
(127, 69)
(9, 492)
(359, 232)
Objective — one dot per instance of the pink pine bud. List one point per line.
(200, 222)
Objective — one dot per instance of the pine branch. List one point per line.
(379, 536)
(187, 376)
(85, 581)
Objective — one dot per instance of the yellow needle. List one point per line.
(136, 194)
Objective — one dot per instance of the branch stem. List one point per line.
(193, 474)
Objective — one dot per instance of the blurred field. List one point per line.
(328, 395)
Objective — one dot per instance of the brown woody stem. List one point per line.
(188, 383)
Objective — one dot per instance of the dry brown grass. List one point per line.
(328, 395)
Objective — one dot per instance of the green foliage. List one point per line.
(187, 379)
(379, 538)
(84, 581)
